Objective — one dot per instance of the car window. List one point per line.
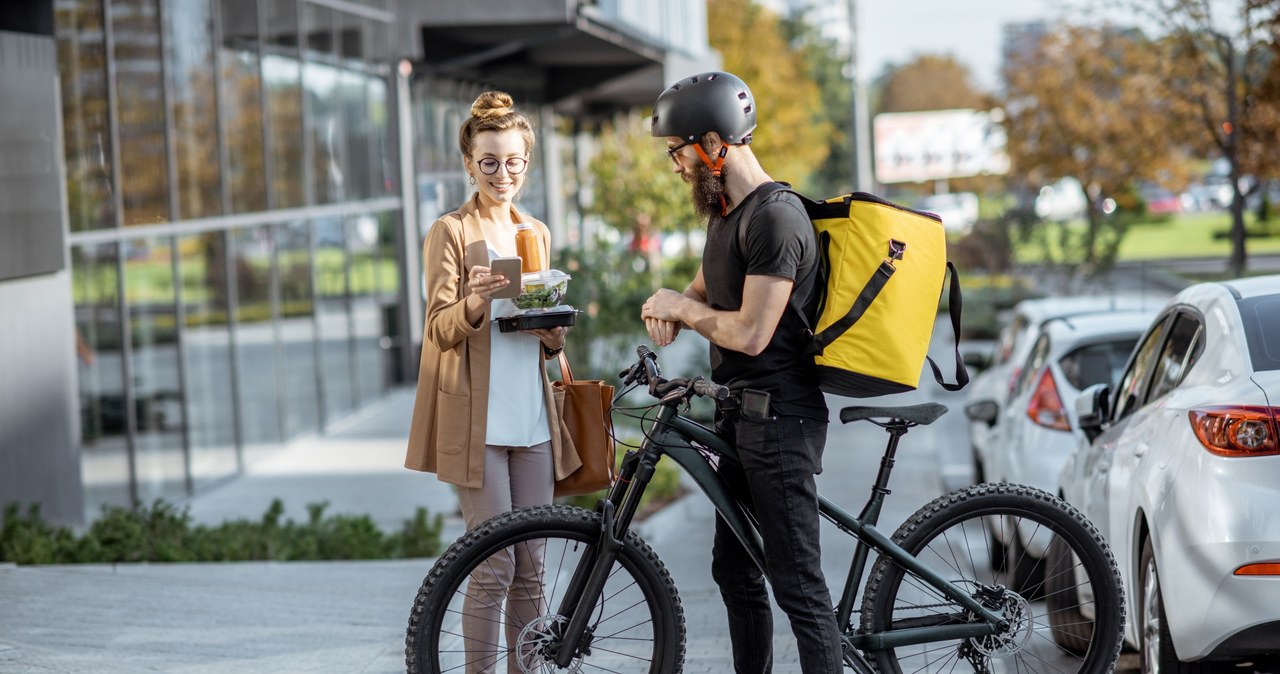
(1035, 360)
(1133, 385)
(1178, 355)
(1261, 316)
(1096, 363)
(1009, 338)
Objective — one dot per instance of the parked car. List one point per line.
(958, 210)
(1037, 429)
(1179, 466)
(989, 390)
(1061, 201)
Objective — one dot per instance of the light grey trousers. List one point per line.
(514, 477)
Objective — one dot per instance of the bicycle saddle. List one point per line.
(921, 415)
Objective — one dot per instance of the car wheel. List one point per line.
(1158, 656)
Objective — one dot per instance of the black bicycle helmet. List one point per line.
(714, 101)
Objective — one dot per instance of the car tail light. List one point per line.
(1046, 407)
(1259, 569)
(1236, 430)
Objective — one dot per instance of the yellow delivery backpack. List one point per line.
(883, 269)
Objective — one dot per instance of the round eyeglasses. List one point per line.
(672, 151)
(515, 165)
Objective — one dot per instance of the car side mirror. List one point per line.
(976, 361)
(1092, 409)
(984, 410)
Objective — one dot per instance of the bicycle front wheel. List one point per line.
(490, 602)
(951, 535)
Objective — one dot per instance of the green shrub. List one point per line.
(163, 533)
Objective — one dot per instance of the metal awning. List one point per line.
(546, 50)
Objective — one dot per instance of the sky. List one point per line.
(893, 31)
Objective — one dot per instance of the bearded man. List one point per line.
(750, 299)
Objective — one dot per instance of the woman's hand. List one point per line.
(483, 283)
(552, 338)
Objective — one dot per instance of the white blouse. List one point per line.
(517, 406)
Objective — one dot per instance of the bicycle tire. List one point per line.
(638, 616)
(944, 534)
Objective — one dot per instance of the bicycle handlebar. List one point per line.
(646, 371)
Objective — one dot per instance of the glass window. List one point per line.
(1131, 392)
(1096, 363)
(368, 305)
(104, 447)
(259, 371)
(144, 181)
(86, 127)
(207, 351)
(153, 333)
(324, 131)
(356, 129)
(1035, 360)
(283, 76)
(332, 313)
(1009, 336)
(1261, 317)
(382, 155)
(297, 330)
(189, 42)
(1178, 355)
(239, 67)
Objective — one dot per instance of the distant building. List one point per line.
(212, 210)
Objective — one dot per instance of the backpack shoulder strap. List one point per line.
(953, 308)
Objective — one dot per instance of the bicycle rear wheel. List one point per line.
(950, 536)
(463, 620)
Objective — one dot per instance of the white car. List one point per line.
(1180, 469)
(989, 390)
(958, 210)
(1037, 430)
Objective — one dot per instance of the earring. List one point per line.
(473, 178)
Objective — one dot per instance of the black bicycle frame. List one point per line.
(687, 443)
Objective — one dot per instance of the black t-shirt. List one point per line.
(779, 241)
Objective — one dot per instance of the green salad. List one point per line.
(542, 290)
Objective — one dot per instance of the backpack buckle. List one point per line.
(897, 249)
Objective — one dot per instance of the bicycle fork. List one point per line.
(593, 571)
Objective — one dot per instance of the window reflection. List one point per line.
(189, 32)
(332, 313)
(207, 348)
(149, 294)
(283, 77)
(144, 183)
(86, 128)
(238, 64)
(324, 132)
(258, 368)
(103, 423)
(368, 305)
(382, 170)
(297, 330)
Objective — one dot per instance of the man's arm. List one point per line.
(747, 330)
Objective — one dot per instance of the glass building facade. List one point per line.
(234, 213)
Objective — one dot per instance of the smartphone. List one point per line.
(755, 404)
(510, 268)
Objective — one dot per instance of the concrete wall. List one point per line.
(39, 425)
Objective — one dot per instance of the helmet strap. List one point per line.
(715, 167)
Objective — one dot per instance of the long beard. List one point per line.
(708, 190)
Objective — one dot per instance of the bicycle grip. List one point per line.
(709, 389)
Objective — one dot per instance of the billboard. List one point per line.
(938, 144)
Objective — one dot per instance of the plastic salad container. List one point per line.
(542, 289)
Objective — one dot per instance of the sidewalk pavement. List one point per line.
(256, 617)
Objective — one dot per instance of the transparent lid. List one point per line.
(545, 276)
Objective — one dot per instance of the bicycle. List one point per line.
(933, 600)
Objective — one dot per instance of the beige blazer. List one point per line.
(450, 411)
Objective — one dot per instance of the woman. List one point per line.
(485, 418)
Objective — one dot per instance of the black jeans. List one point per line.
(780, 457)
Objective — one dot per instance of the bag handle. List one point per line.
(566, 372)
(953, 308)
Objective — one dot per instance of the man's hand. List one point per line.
(661, 332)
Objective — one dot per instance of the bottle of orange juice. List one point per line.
(528, 248)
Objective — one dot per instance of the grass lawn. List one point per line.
(1190, 235)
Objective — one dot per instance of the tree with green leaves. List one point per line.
(1084, 104)
(827, 65)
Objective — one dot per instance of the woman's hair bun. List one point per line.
(492, 104)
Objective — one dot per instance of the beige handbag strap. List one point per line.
(566, 372)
